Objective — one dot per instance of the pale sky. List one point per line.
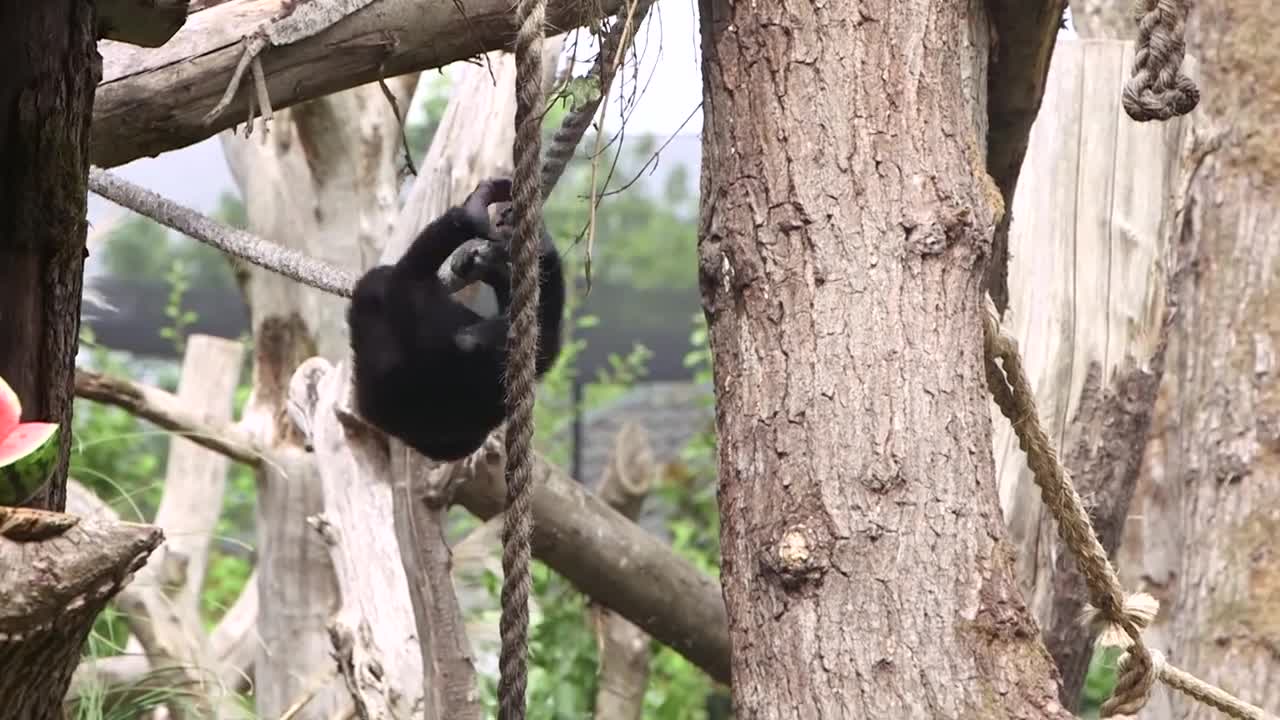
(664, 88)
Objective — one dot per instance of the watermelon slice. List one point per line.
(28, 451)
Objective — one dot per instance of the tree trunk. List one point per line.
(1218, 456)
(842, 254)
(51, 67)
(55, 574)
(1201, 533)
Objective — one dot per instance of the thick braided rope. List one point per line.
(1122, 617)
(522, 345)
(1157, 88)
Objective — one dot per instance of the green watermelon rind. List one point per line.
(24, 475)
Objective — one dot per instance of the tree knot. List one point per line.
(797, 557)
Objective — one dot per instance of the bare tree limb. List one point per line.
(372, 630)
(420, 522)
(612, 560)
(154, 101)
(164, 409)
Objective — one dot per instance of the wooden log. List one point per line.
(151, 101)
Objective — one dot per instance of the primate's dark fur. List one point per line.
(428, 369)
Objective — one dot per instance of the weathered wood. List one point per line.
(151, 101)
(147, 23)
(52, 586)
(624, 648)
(1205, 534)
(1087, 278)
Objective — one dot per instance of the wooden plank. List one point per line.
(1041, 266)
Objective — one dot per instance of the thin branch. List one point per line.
(164, 409)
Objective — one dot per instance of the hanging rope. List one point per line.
(522, 346)
(1157, 88)
(1122, 616)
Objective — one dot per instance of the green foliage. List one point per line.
(180, 319)
(645, 237)
(562, 650)
(579, 91)
(1099, 682)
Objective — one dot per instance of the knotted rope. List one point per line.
(522, 346)
(1157, 88)
(1120, 617)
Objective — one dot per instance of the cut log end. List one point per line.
(56, 567)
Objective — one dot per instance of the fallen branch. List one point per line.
(153, 101)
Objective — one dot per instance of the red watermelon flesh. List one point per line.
(10, 409)
(24, 440)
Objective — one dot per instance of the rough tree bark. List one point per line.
(841, 261)
(1201, 534)
(55, 574)
(51, 66)
(321, 181)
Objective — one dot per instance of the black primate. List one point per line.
(428, 369)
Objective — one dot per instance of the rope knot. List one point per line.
(1157, 88)
(1138, 671)
(1119, 627)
